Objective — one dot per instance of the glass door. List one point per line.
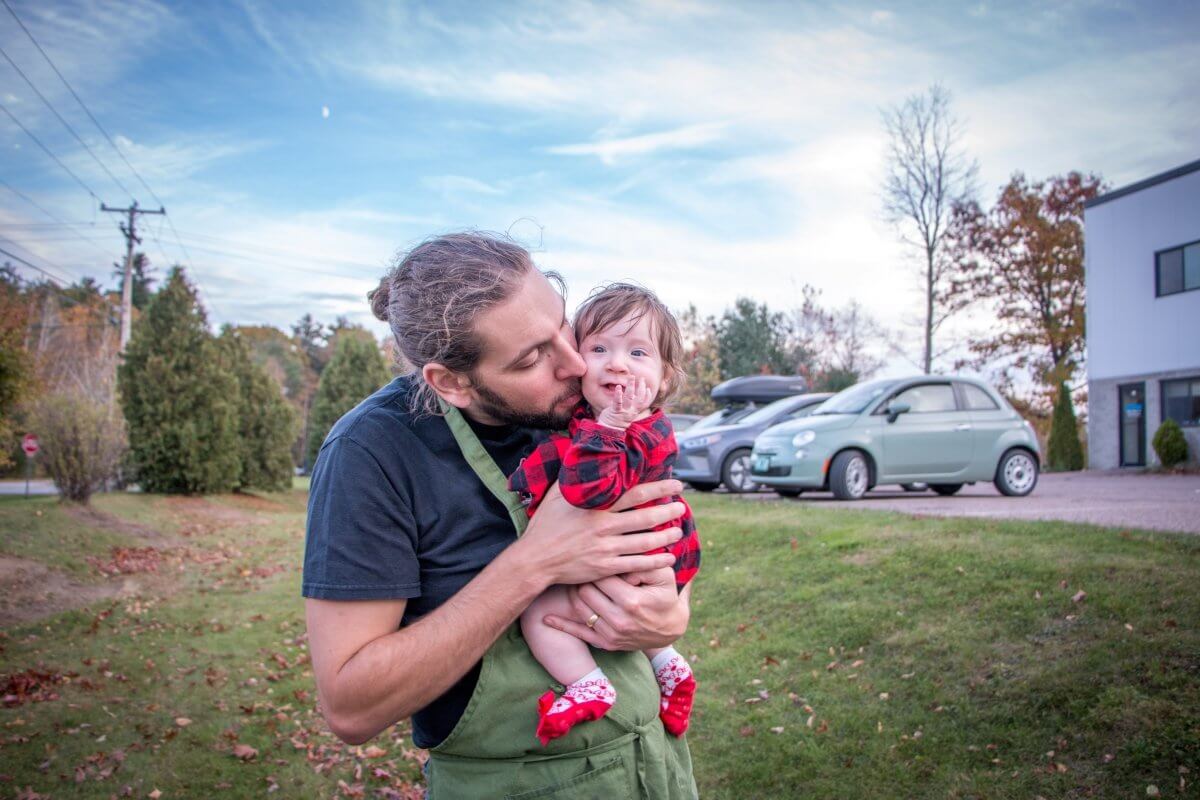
(1133, 424)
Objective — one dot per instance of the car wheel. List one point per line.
(946, 489)
(703, 487)
(735, 472)
(1017, 473)
(849, 476)
(914, 487)
(784, 491)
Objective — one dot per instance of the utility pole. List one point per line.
(131, 238)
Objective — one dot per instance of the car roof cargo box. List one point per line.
(759, 388)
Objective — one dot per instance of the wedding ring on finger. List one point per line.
(592, 620)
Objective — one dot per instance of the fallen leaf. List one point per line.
(1078, 596)
(1152, 791)
(245, 752)
(374, 751)
(747, 730)
(182, 722)
(155, 795)
(777, 730)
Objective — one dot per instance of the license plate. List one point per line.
(762, 464)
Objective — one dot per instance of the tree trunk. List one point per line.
(928, 310)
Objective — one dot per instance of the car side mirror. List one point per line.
(894, 410)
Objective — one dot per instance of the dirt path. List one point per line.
(30, 591)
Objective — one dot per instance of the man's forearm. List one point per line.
(398, 674)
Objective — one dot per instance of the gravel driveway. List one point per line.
(1115, 499)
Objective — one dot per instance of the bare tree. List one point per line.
(927, 173)
(834, 347)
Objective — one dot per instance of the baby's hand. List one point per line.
(629, 402)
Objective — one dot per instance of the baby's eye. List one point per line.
(637, 351)
(597, 348)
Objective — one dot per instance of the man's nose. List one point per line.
(571, 365)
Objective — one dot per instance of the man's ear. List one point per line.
(451, 386)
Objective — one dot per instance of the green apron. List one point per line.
(493, 752)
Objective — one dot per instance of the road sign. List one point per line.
(29, 443)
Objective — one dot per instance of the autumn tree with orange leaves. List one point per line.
(1023, 261)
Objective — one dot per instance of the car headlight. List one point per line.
(803, 437)
(700, 441)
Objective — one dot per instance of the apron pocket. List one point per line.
(609, 781)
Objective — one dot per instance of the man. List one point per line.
(414, 572)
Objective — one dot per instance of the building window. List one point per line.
(1177, 270)
(1181, 401)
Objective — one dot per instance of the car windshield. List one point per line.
(855, 399)
(723, 417)
(769, 412)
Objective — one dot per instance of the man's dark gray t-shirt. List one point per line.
(395, 512)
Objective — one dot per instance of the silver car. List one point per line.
(940, 431)
(719, 452)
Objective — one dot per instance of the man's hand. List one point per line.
(570, 545)
(634, 612)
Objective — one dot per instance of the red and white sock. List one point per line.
(678, 688)
(588, 698)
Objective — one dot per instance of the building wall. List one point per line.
(1133, 335)
(1129, 330)
(1104, 422)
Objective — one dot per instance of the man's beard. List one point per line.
(498, 408)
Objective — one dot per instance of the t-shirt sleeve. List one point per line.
(361, 541)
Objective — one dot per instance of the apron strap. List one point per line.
(484, 466)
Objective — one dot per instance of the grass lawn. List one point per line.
(840, 653)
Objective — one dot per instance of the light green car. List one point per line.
(943, 432)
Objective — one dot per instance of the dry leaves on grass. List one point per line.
(128, 561)
(245, 752)
(31, 686)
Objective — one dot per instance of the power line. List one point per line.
(113, 144)
(51, 215)
(83, 105)
(16, 257)
(66, 124)
(59, 267)
(38, 141)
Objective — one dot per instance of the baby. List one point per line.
(618, 438)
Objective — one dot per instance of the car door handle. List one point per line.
(963, 427)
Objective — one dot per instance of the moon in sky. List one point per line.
(324, 112)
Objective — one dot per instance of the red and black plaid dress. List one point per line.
(594, 465)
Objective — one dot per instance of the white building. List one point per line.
(1143, 316)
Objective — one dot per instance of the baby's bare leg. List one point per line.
(566, 658)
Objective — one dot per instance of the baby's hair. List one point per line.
(608, 305)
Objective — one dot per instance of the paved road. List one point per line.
(35, 487)
(1116, 499)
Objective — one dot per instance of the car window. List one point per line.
(928, 398)
(800, 413)
(977, 399)
(854, 399)
(768, 412)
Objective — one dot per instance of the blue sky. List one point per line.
(708, 150)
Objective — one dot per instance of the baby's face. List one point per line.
(615, 356)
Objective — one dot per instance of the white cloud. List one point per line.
(610, 151)
(459, 184)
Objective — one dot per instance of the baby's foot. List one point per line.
(678, 687)
(587, 699)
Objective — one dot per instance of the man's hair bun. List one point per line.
(378, 297)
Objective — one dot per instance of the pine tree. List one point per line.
(267, 423)
(1063, 451)
(355, 371)
(180, 404)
